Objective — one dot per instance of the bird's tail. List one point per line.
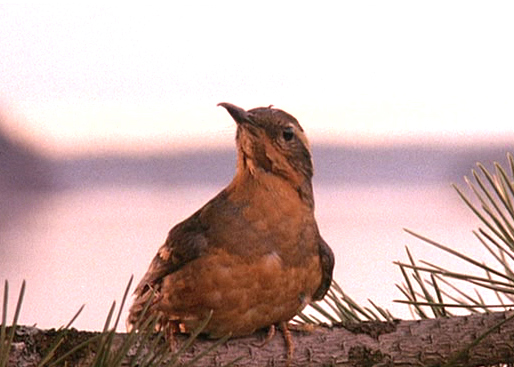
(142, 308)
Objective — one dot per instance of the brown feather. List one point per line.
(253, 254)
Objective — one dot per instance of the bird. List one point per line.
(252, 257)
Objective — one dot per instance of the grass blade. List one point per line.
(456, 253)
(4, 347)
(191, 338)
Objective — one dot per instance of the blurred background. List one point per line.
(110, 134)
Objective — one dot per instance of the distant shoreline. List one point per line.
(25, 169)
(333, 165)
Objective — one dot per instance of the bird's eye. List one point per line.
(288, 133)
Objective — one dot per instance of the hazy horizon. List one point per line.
(174, 142)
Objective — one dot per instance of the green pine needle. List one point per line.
(494, 207)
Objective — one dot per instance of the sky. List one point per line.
(88, 78)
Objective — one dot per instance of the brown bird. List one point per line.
(253, 255)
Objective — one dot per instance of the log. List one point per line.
(399, 343)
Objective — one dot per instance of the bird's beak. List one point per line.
(239, 115)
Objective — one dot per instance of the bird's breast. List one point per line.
(263, 230)
(266, 215)
(243, 296)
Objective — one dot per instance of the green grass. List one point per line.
(142, 346)
(436, 291)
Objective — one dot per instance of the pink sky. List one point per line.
(87, 78)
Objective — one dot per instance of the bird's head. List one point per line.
(272, 141)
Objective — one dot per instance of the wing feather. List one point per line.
(185, 242)
(327, 267)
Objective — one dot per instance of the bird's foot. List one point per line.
(169, 329)
(288, 338)
(269, 336)
(306, 328)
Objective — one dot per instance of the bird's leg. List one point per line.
(269, 336)
(288, 338)
(169, 328)
(169, 336)
(306, 328)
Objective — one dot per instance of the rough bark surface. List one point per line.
(402, 343)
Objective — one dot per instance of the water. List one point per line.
(80, 243)
(79, 247)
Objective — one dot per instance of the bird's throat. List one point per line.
(252, 177)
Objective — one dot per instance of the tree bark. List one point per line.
(402, 343)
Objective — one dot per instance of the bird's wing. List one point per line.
(327, 266)
(185, 242)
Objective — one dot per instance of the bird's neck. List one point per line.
(253, 181)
